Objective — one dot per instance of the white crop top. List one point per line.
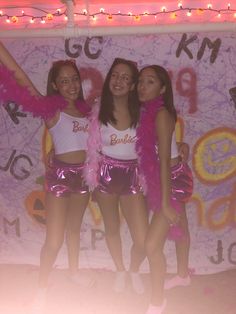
(118, 144)
(174, 148)
(69, 134)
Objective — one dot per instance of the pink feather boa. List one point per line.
(149, 163)
(40, 106)
(145, 147)
(94, 147)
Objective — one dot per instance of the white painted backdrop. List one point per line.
(203, 69)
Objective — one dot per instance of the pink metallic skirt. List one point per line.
(181, 191)
(117, 176)
(181, 182)
(62, 179)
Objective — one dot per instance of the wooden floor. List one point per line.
(208, 294)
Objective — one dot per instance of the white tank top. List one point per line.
(118, 144)
(174, 148)
(69, 134)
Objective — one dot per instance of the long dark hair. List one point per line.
(106, 112)
(165, 80)
(54, 73)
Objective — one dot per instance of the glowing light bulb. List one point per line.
(32, 20)
(85, 12)
(109, 17)
(189, 13)
(137, 18)
(49, 17)
(102, 10)
(14, 19)
(209, 6)
(163, 9)
(180, 5)
(200, 11)
(173, 16)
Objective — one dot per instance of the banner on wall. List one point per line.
(203, 71)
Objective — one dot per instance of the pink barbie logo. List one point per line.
(77, 127)
(127, 139)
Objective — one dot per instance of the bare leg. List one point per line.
(155, 241)
(55, 228)
(76, 210)
(182, 247)
(182, 253)
(136, 216)
(109, 206)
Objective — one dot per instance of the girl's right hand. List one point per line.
(183, 149)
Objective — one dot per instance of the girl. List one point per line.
(65, 115)
(113, 168)
(168, 181)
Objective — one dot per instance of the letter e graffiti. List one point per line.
(15, 222)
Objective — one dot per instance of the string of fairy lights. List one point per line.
(44, 16)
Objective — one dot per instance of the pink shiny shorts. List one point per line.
(181, 182)
(117, 176)
(62, 178)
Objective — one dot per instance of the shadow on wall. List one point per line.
(232, 92)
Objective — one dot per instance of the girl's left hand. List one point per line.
(171, 215)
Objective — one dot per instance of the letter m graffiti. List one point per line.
(11, 224)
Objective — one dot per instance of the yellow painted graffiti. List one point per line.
(220, 214)
(199, 206)
(179, 129)
(46, 144)
(222, 211)
(95, 212)
(214, 156)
